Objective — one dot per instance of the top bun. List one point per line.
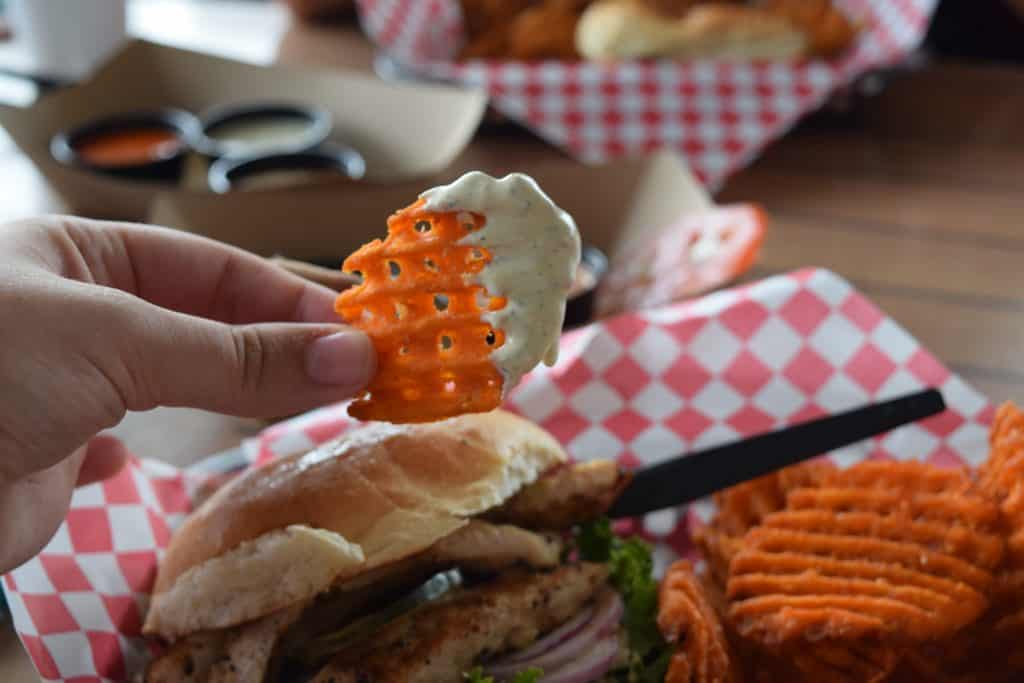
(280, 534)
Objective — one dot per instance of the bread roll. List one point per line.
(283, 533)
(629, 29)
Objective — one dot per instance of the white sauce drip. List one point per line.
(536, 251)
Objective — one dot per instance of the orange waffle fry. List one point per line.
(717, 549)
(829, 31)
(960, 659)
(1002, 477)
(686, 617)
(824, 662)
(743, 506)
(424, 318)
(897, 551)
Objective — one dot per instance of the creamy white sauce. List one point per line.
(536, 250)
(261, 135)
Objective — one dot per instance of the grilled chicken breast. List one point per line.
(567, 496)
(441, 641)
(238, 655)
(241, 655)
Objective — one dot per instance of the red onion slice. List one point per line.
(548, 642)
(607, 615)
(589, 668)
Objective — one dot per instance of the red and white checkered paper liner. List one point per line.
(719, 115)
(638, 388)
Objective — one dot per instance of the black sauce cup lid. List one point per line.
(579, 308)
(229, 174)
(63, 145)
(318, 118)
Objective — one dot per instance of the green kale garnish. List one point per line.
(631, 574)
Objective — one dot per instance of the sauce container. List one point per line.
(142, 145)
(245, 131)
(579, 306)
(325, 164)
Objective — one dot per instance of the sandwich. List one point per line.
(469, 549)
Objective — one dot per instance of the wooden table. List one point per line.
(916, 196)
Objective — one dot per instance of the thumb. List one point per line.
(258, 370)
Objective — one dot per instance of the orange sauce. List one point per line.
(128, 147)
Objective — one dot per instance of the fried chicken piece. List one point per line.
(238, 655)
(442, 641)
(567, 496)
(546, 31)
(829, 31)
(485, 547)
(189, 660)
(479, 16)
(486, 23)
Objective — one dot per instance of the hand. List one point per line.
(97, 319)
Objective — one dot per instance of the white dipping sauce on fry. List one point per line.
(535, 251)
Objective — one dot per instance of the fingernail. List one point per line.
(342, 359)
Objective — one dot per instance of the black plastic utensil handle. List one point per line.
(691, 477)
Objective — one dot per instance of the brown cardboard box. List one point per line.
(411, 135)
(404, 131)
(612, 205)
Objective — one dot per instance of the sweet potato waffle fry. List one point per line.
(822, 662)
(423, 313)
(886, 572)
(840, 662)
(901, 551)
(1002, 477)
(686, 617)
(743, 506)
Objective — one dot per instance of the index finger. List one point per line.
(196, 275)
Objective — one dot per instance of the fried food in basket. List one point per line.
(1002, 477)
(545, 31)
(639, 29)
(884, 572)
(828, 661)
(828, 30)
(886, 550)
(686, 618)
(777, 29)
(743, 506)
(454, 330)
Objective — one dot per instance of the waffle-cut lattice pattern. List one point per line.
(743, 506)
(420, 306)
(688, 621)
(883, 549)
(1002, 477)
